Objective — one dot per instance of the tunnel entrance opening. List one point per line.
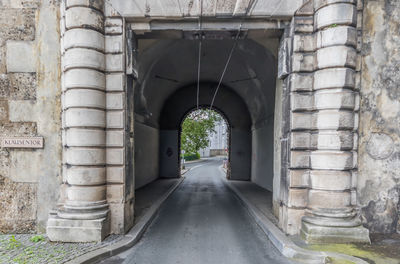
(204, 133)
(165, 91)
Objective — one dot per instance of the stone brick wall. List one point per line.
(379, 142)
(29, 100)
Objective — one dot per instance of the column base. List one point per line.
(77, 230)
(316, 234)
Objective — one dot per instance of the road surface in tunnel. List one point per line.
(202, 222)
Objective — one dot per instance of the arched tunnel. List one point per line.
(166, 90)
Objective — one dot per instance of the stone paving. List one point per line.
(30, 248)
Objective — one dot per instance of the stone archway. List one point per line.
(319, 72)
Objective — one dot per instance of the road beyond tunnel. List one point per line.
(202, 222)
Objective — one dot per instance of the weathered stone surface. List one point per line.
(379, 144)
(18, 203)
(17, 24)
(3, 110)
(21, 56)
(18, 129)
(18, 86)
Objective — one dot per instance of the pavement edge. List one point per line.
(131, 238)
(282, 242)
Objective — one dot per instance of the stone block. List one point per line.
(83, 58)
(292, 220)
(115, 62)
(336, 56)
(334, 99)
(330, 180)
(299, 159)
(115, 174)
(334, 78)
(301, 82)
(18, 129)
(115, 101)
(86, 193)
(328, 199)
(115, 119)
(83, 117)
(84, 78)
(115, 138)
(17, 23)
(331, 160)
(297, 197)
(333, 140)
(336, 14)
(21, 56)
(330, 234)
(77, 175)
(3, 110)
(83, 38)
(18, 205)
(341, 35)
(85, 156)
(84, 17)
(299, 178)
(18, 86)
(304, 43)
(114, 44)
(76, 137)
(98, 4)
(22, 111)
(302, 101)
(303, 24)
(115, 193)
(300, 140)
(21, 166)
(115, 156)
(66, 230)
(300, 121)
(113, 26)
(115, 82)
(335, 119)
(303, 62)
(85, 98)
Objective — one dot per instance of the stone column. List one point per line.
(83, 216)
(332, 215)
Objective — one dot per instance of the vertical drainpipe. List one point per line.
(332, 214)
(84, 215)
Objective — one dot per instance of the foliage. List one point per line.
(196, 128)
(37, 238)
(190, 156)
(13, 243)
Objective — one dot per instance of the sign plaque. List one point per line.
(22, 142)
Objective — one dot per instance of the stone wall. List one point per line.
(29, 106)
(379, 142)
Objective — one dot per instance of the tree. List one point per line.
(195, 129)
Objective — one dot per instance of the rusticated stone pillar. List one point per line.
(331, 214)
(83, 217)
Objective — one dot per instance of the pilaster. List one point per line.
(84, 214)
(329, 129)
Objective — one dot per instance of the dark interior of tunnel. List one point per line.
(166, 90)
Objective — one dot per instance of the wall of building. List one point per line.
(146, 155)
(29, 106)
(263, 155)
(379, 134)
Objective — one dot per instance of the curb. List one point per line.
(131, 238)
(283, 243)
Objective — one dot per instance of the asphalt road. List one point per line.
(202, 222)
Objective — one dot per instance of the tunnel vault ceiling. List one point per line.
(168, 65)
